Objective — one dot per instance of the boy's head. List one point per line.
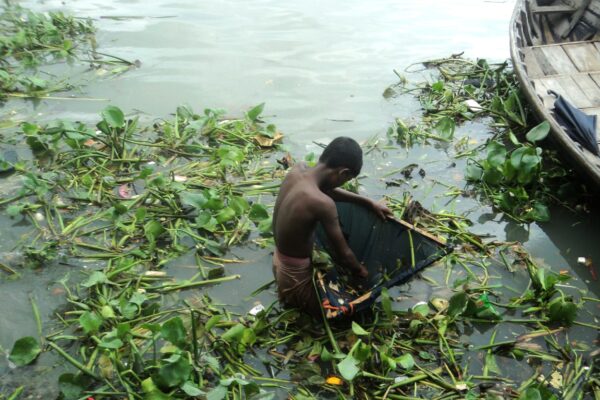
(344, 156)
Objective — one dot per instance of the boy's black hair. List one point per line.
(343, 152)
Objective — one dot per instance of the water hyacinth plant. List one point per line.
(127, 198)
(517, 176)
(104, 193)
(30, 41)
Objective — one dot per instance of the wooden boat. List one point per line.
(555, 45)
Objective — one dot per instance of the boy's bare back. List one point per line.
(300, 206)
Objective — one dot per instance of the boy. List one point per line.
(307, 196)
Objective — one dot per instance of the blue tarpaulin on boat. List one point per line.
(580, 126)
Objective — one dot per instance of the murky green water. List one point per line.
(321, 68)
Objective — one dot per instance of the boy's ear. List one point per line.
(346, 173)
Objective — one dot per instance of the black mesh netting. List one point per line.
(392, 253)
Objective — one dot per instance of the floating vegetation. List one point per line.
(521, 180)
(516, 175)
(30, 40)
(132, 198)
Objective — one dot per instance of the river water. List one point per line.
(321, 68)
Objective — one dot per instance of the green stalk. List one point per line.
(170, 288)
(38, 319)
(73, 361)
(412, 249)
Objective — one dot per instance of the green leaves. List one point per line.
(24, 351)
(258, 212)
(255, 112)
(95, 278)
(72, 385)
(510, 174)
(196, 200)
(525, 161)
(234, 333)
(538, 132)
(241, 336)
(530, 394)
(358, 330)
(538, 212)
(113, 116)
(496, 154)
(230, 156)
(386, 303)
(445, 128)
(458, 304)
(420, 309)
(406, 361)
(250, 389)
(348, 367)
(562, 311)
(174, 371)
(514, 109)
(473, 173)
(174, 331)
(225, 215)
(461, 304)
(153, 229)
(90, 322)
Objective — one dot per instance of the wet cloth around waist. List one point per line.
(294, 277)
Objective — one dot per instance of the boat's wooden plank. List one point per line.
(595, 77)
(551, 9)
(534, 69)
(559, 60)
(543, 61)
(589, 87)
(576, 17)
(528, 25)
(585, 56)
(568, 88)
(574, 92)
(546, 26)
(541, 89)
(561, 44)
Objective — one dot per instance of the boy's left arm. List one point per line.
(342, 195)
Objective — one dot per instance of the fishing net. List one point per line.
(390, 250)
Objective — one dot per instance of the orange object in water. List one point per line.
(334, 380)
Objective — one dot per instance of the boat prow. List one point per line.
(555, 47)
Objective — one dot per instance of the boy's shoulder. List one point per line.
(300, 166)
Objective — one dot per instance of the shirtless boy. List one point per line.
(307, 196)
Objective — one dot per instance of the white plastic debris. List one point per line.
(155, 273)
(179, 178)
(581, 260)
(256, 309)
(473, 106)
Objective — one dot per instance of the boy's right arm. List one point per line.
(344, 255)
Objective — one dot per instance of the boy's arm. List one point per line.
(345, 196)
(343, 254)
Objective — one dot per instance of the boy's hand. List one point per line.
(381, 210)
(362, 272)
